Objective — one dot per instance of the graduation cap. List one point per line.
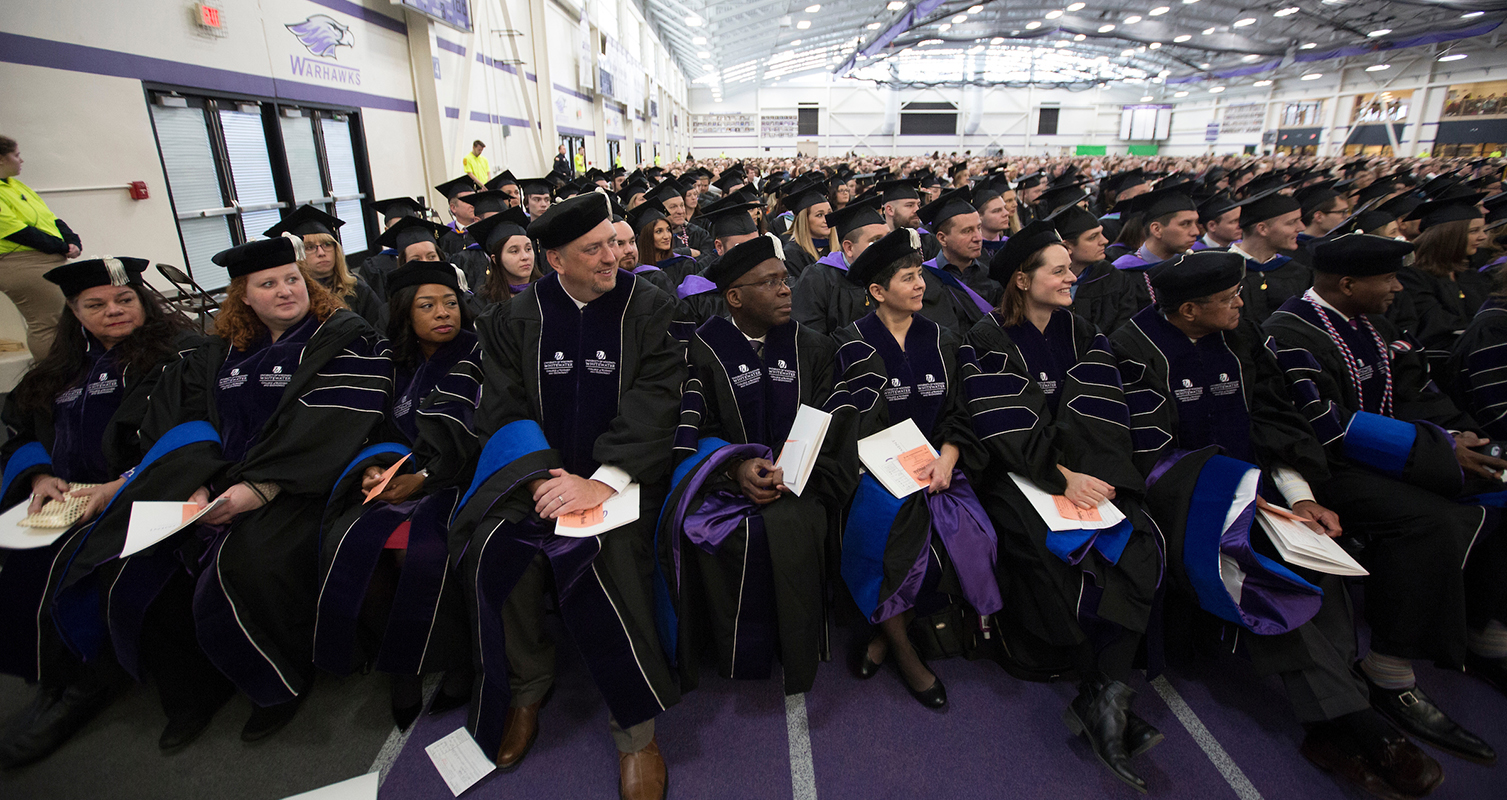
(410, 231)
(877, 257)
(419, 273)
(395, 207)
(1311, 198)
(1267, 182)
(855, 215)
(307, 220)
(1267, 205)
(1402, 205)
(728, 180)
(1065, 195)
(1072, 221)
(665, 190)
(737, 262)
(569, 220)
(1457, 191)
(1067, 177)
(533, 186)
(488, 202)
(927, 179)
(898, 189)
(595, 175)
(1159, 203)
(630, 189)
(1364, 222)
(1216, 207)
(568, 189)
(957, 166)
(1194, 275)
(505, 178)
(255, 256)
(76, 276)
(454, 188)
(1359, 255)
(1438, 212)
(1019, 248)
(807, 199)
(1436, 185)
(1378, 189)
(1120, 181)
(645, 214)
(1496, 209)
(731, 217)
(1034, 179)
(950, 204)
(491, 232)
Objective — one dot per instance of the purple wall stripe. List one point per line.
(574, 131)
(452, 112)
(446, 44)
(17, 49)
(612, 137)
(573, 92)
(361, 12)
(477, 116)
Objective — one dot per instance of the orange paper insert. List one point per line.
(583, 518)
(1070, 510)
(189, 510)
(386, 478)
(913, 460)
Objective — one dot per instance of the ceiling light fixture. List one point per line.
(1106, 28)
(803, 24)
(1209, 31)
(1180, 94)
(1146, 99)
(1054, 14)
(813, 9)
(1156, 45)
(1129, 52)
(1204, 65)
(1378, 32)
(1452, 57)
(1132, 19)
(1286, 12)
(1308, 45)
(698, 40)
(896, 5)
(1160, 10)
(944, 27)
(975, 9)
(1249, 58)
(703, 54)
(1076, 7)
(1216, 90)
(997, 40)
(1183, 38)
(960, 19)
(1262, 83)
(1080, 37)
(1312, 76)
(1378, 67)
(873, 26)
(1241, 23)
(1470, 14)
(1032, 25)
(694, 21)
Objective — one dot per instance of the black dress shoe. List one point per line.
(1140, 735)
(1413, 712)
(933, 697)
(455, 691)
(1329, 754)
(407, 699)
(1100, 713)
(864, 667)
(1493, 671)
(19, 722)
(181, 731)
(267, 720)
(53, 724)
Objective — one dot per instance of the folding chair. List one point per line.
(188, 290)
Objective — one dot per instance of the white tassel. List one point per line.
(118, 274)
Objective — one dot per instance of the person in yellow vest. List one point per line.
(476, 164)
(32, 241)
(580, 163)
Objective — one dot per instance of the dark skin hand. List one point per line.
(1477, 463)
(400, 488)
(760, 480)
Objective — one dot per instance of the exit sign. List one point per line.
(209, 16)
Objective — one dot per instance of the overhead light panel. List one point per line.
(997, 40)
(1054, 14)
(1452, 57)
(803, 24)
(1209, 31)
(694, 21)
(1308, 45)
(975, 9)
(1155, 45)
(1262, 83)
(1286, 12)
(1106, 28)
(1132, 19)
(1129, 52)
(1470, 14)
(813, 9)
(1032, 25)
(1183, 38)
(1378, 67)
(1080, 37)
(1160, 10)
(1216, 89)
(1312, 76)
(1249, 58)
(873, 26)
(1204, 65)
(1146, 99)
(960, 19)
(945, 27)
(1180, 94)
(1378, 32)
(895, 6)
(1076, 7)
(1241, 23)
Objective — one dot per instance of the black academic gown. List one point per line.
(90, 434)
(752, 576)
(796, 258)
(1267, 286)
(1474, 373)
(1441, 308)
(1237, 402)
(925, 551)
(1029, 424)
(375, 270)
(1400, 497)
(426, 627)
(571, 389)
(364, 302)
(292, 413)
(474, 264)
(1104, 296)
(825, 300)
(454, 241)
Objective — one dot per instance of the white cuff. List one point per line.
(1292, 485)
(616, 479)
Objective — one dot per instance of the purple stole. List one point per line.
(1048, 355)
(1139, 261)
(917, 385)
(418, 386)
(250, 386)
(1205, 382)
(835, 260)
(767, 394)
(81, 415)
(694, 284)
(580, 351)
(956, 282)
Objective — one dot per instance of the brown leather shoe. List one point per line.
(1330, 756)
(642, 774)
(520, 730)
(1405, 766)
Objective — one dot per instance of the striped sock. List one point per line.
(1490, 642)
(1388, 672)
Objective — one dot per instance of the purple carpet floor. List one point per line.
(1229, 734)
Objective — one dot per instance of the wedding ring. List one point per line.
(560, 498)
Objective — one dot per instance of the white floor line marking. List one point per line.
(395, 740)
(1206, 741)
(802, 775)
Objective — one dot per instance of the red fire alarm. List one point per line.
(139, 190)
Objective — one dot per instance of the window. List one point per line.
(235, 165)
(928, 119)
(1302, 115)
(807, 121)
(1046, 121)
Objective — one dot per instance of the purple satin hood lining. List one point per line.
(959, 521)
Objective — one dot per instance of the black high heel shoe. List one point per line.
(933, 697)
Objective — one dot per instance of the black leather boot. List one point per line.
(1100, 713)
(54, 723)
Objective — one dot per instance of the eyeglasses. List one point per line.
(1227, 302)
(319, 247)
(773, 284)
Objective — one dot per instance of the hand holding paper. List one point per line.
(385, 479)
(617, 511)
(897, 456)
(797, 457)
(152, 522)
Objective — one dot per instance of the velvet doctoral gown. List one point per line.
(1267, 286)
(430, 422)
(1476, 372)
(749, 579)
(1105, 296)
(574, 389)
(292, 413)
(900, 554)
(1042, 400)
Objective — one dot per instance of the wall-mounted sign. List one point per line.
(455, 13)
